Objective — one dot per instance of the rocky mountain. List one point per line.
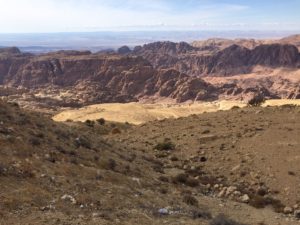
(153, 71)
(101, 78)
(229, 61)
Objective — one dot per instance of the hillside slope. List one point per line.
(86, 173)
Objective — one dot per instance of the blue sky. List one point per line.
(93, 15)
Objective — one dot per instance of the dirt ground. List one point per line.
(171, 171)
(138, 113)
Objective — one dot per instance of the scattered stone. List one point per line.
(245, 198)
(230, 190)
(236, 168)
(69, 198)
(297, 214)
(222, 192)
(163, 211)
(287, 210)
(216, 186)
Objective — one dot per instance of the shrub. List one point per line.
(101, 121)
(190, 200)
(89, 123)
(163, 179)
(116, 131)
(261, 202)
(165, 146)
(192, 182)
(185, 179)
(235, 107)
(201, 214)
(257, 100)
(111, 164)
(223, 220)
(83, 142)
(34, 141)
(180, 178)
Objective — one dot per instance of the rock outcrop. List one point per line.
(158, 70)
(98, 78)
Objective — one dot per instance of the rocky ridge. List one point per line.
(176, 71)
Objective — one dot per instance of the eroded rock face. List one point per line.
(275, 55)
(98, 78)
(172, 72)
(232, 60)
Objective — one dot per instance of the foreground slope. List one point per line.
(86, 173)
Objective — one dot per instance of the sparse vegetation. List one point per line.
(116, 131)
(223, 220)
(185, 179)
(83, 142)
(166, 145)
(101, 121)
(260, 202)
(257, 100)
(90, 123)
(190, 200)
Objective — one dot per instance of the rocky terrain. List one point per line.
(154, 71)
(230, 61)
(176, 171)
(233, 167)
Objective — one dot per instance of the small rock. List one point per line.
(297, 214)
(94, 215)
(236, 168)
(288, 210)
(245, 198)
(216, 186)
(230, 190)
(237, 193)
(163, 211)
(222, 193)
(69, 198)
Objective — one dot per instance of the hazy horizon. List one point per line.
(97, 41)
(49, 25)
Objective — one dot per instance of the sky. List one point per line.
(40, 16)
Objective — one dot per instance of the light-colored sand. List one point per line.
(137, 113)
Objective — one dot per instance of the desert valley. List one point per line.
(206, 132)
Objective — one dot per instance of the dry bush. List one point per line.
(101, 121)
(223, 220)
(190, 200)
(116, 131)
(110, 164)
(167, 145)
(185, 179)
(201, 214)
(164, 179)
(34, 141)
(90, 123)
(261, 202)
(257, 100)
(83, 142)
(235, 107)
